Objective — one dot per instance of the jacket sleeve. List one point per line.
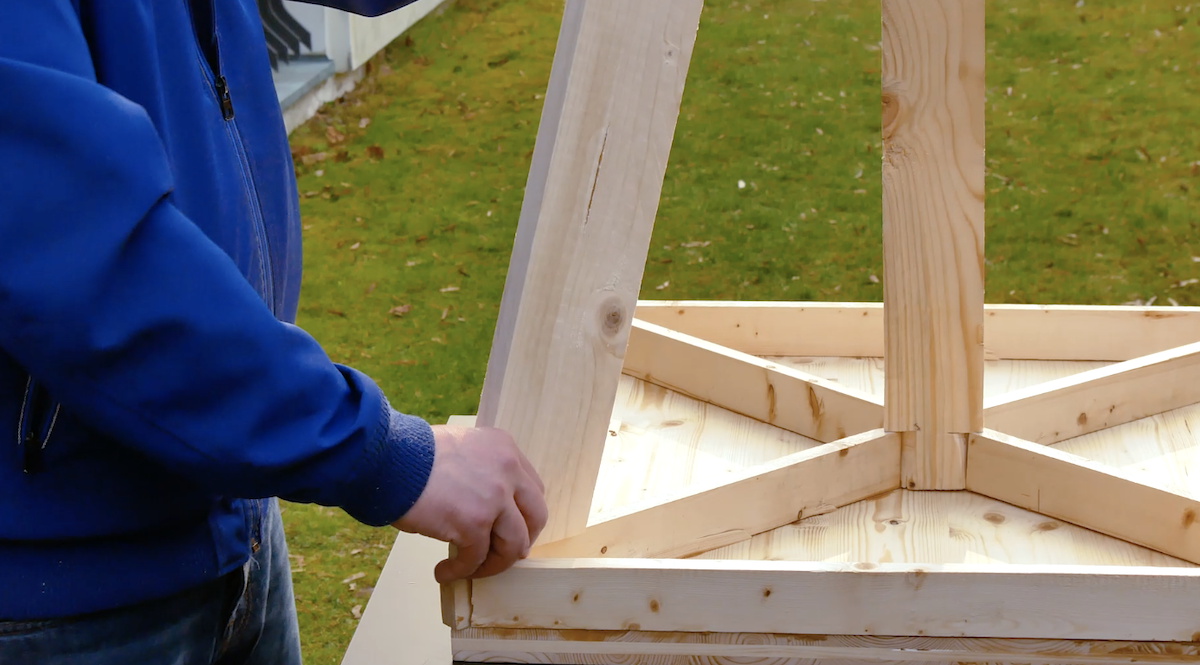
(363, 7)
(142, 327)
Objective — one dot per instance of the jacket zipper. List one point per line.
(214, 75)
(31, 439)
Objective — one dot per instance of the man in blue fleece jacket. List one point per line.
(154, 394)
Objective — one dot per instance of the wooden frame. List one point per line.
(624, 588)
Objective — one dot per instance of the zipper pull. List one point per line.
(224, 98)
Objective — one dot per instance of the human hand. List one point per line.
(484, 497)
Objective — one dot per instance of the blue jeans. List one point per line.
(246, 618)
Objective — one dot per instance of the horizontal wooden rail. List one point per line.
(1098, 399)
(784, 597)
(756, 500)
(793, 400)
(1084, 493)
(1011, 332)
(586, 647)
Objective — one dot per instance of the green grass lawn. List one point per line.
(1093, 153)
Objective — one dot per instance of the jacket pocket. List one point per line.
(35, 426)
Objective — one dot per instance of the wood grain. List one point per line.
(582, 647)
(855, 329)
(762, 498)
(999, 376)
(941, 528)
(989, 600)
(661, 442)
(1162, 450)
(1100, 398)
(774, 394)
(1083, 492)
(582, 238)
(933, 169)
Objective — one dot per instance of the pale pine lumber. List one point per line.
(919, 527)
(745, 384)
(402, 610)
(933, 169)
(1086, 493)
(1098, 399)
(1033, 602)
(759, 499)
(582, 238)
(584, 647)
(855, 329)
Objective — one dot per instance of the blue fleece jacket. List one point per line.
(153, 388)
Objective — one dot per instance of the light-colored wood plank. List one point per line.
(1036, 602)
(582, 238)
(661, 442)
(933, 143)
(774, 394)
(583, 647)
(1101, 398)
(401, 624)
(1083, 492)
(762, 498)
(941, 528)
(855, 330)
(999, 376)
(1162, 450)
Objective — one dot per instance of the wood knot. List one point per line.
(1082, 420)
(995, 518)
(611, 322)
(1047, 526)
(1189, 518)
(889, 113)
(653, 605)
(612, 316)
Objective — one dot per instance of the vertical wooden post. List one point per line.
(933, 170)
(582, 239)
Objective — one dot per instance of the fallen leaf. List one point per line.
(309, 160)
(374, 152)
(356, 551)
(445, 312)
(873, 279)
(362, 124)
(336, 312)
(356, 611)
(404, 362)
(1173, 302)
(355, 576)
(706, 243)
(371, 287)
(411, 263)
(448, 289)
(355, 246)
(333, 135)
(662, 286)
(400, 311)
